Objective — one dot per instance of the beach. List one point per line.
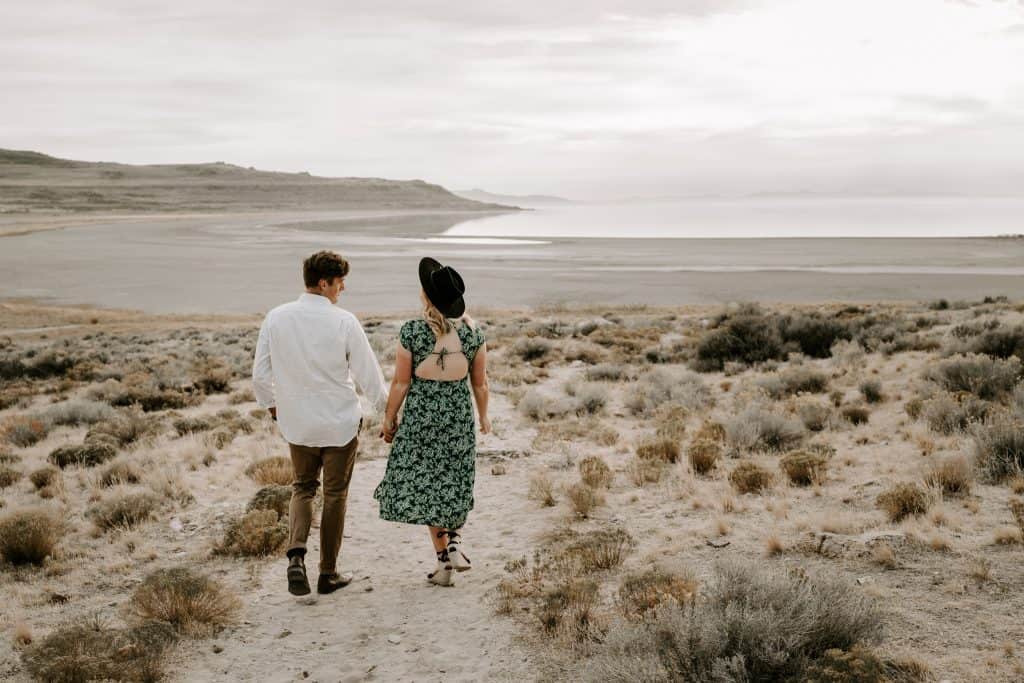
(247, 263)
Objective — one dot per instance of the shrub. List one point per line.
(120, 472)
(8, 457)
(88, 454)
(985, 377)
(255, 534)
(1017, 508)
(855, 415)
(665, 450)
(211, 376)
(77, 412)
(860, 664)
(531, 348)
(710, 431)
(750, 477)
(125, 428)
(597, 550)
(794, 380)
(814, 334)
(123, 509)
(274, 497)
(583, 499)
(9, 476)
(746, 338)
(595, 472)
(88, 651)
(704, 454)
(568, 609)
(272, 470)
(871, 390)
(645, 471)
(28, 535)
(192, 425)
(608, 372)
(953, 475)
(542, 490)
(758, 429)
(814, 415)
(44, 476)
(661, 386)
(192, 603)
(537, 406)
(641, 592)
(24, 430)
(1001, 343)
(591, 398)
(671, 422)
(904, 500)
(999, 449)
(948, 414)
(804, 468)
(756, 622)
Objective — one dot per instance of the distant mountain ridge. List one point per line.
(32, 181)
(527, 200)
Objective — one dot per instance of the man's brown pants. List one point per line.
(336, 463)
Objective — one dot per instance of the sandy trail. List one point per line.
(441, 633)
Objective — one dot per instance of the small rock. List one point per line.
(284, 634)
(394, 639)
(217, 649)
(368, 589)
(717, 543)
(863, 580)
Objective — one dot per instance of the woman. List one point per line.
(430, 472)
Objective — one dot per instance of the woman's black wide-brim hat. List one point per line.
(443, 286)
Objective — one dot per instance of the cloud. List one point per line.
(579, 97)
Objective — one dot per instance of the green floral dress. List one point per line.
(430, 472)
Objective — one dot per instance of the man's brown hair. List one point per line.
(323, 265)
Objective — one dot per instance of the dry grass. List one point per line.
(710, 430)
(757, 428)
(663, 450)
(670, 422)
(642, 472)
(24, 431)
(855, 415)
(1017, 510)
(272, 470)
(904, 500)
(882, 554)
(257, 533)
(871, 391)
(124, 509)
(704, 454)
(192, 603)
(87, 650)
(774, 545)
(29, 535)
(804, 468)
(274, 497)
(953, 475)
(572, 429)
(583, 499)
(1007, 535)
(120, 472)
(999, 449)
(860, 664)
(749, 477)
(567, 610)
(641, 592)
(45, 477)
(542, 490)
(9, 476)
(88, 454)
(595, 473)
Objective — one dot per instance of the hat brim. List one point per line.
(456, 308)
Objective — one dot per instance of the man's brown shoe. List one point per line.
(297, 582)
(328, 583)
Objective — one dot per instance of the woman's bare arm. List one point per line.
(478, 378)
(399, 389)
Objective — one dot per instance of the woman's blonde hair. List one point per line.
(439, 324)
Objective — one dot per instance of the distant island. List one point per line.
(31, 182)
(526, 200)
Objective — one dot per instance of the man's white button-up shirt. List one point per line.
(307, 355)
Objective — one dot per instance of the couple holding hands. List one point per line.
(310, 356)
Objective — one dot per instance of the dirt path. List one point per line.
(389, 624)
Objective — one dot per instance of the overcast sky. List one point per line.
(593, 98)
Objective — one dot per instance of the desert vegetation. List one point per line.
(742, 493)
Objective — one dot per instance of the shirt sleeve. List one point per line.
(364, 366)
(262, 371)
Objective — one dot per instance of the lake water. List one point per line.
(665, 253)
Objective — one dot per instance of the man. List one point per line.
(307, 355)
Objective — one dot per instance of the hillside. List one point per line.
(34, 182)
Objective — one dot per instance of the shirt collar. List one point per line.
(314, 299)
